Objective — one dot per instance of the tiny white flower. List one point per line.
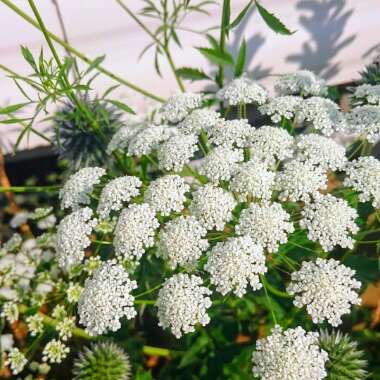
(65, 328)
(122, 137)
(16, 360)
(35, 324)
(73, 292)
(198, 121)
(10, 311)
(281, 107)
(365, 120)
(55, 352)
(367, 93)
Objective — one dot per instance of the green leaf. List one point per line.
(191, 354)
(226, 14)
(367, 269)
(213, 41)
(240, 16)
(216, 56)
(240, 62)
(122, 106)
(12, 108)
(95, 63)
(13, 120)
(191, 73)
(28, 56)
(142, 374)
(272, 21)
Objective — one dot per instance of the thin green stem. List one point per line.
(29, 189)
(268, 299)
(145, 302)
(156, 351)
(273, 290)
(149, 291)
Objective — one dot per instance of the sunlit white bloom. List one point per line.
(19, 219)
(322, 151)
(75, 191)
(198, 121)
(367, 93)
(121, 139)
(182, 303)
(365, 120)
(330, 221)
(281, 107)
(266, 224)
(11, 244)
(16, 360)
(300, 180)
(167, 194)
(106, 299)
(234, 264)
(65, 328)
(182, 242)
(55, 352)
(363, 175)
(326, 288)
(117, 192)
(243, 91)
(176, 152)
(135, 231)
(253, 181)
(221, 163)
(303, 83)
(35, 324)
(59, 312)
(47, 222)
(10, 311)
(293, 354)
(73, 237)
(73, 292)
(270, 144)
(322, 114)
(212, 206)
(179, 106)
(231, 133)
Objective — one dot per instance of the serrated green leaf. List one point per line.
(12, 108)
(272, 21)
(240, 16)
(240, 62)
(191, 73)
(122, 106)
(216, 56)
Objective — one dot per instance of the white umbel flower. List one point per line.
(134, 231)
(303, 82)
(243, 91)
(221, 163)
(266, 224)
(35, 324)
(327, 289)
(367, 93)
(322, 151)
(122, 137)
(363, 175)
(179, 106)
(116, 192)
(234, 264)
(323, 114)
(300, 180)
(293, 354)
(365, 120)
(167, 194)
(212, 206)
(182, 303)
(106, 299)
(198, 121)
(231, 133)
(16, 360)
(330, 221)
(182, 242)
(253, 181)
(55, 352)
(75, 191)
(73, 237)
(281, 107)
(176, 152)
(270, 144)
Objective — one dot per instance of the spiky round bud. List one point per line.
(103, 360)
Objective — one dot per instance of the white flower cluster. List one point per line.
(330, 221)
(116, 192)
(321, 151)
(323, 115)
(166, 194)
(234, 264)
(326, 288)
(365, 120)
(281, 107)
(16, 360)
(106, 299)
(300, 180)
(363, 175)
(243, 91)
(76, 189)
(181, 241)
(55, 352)
(367, 93)
(266, 224)
(35, 324)
(253, 180)
(134, 231)
(122, 137)
(303, 82)
(198, 121)
(182, 303)
(73, 237)
(293, 354)
(212, 206)
(231, 133)
(179, 106)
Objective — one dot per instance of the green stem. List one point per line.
(149, 291)
(156, 351)
(268, 299)
(29, 189)
(273, 290)
(80, 55)
(145, 302)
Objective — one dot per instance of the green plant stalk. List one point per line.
(262, 278)
(222, 43)
(164, 47)
(80, 55)
(29, 189)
